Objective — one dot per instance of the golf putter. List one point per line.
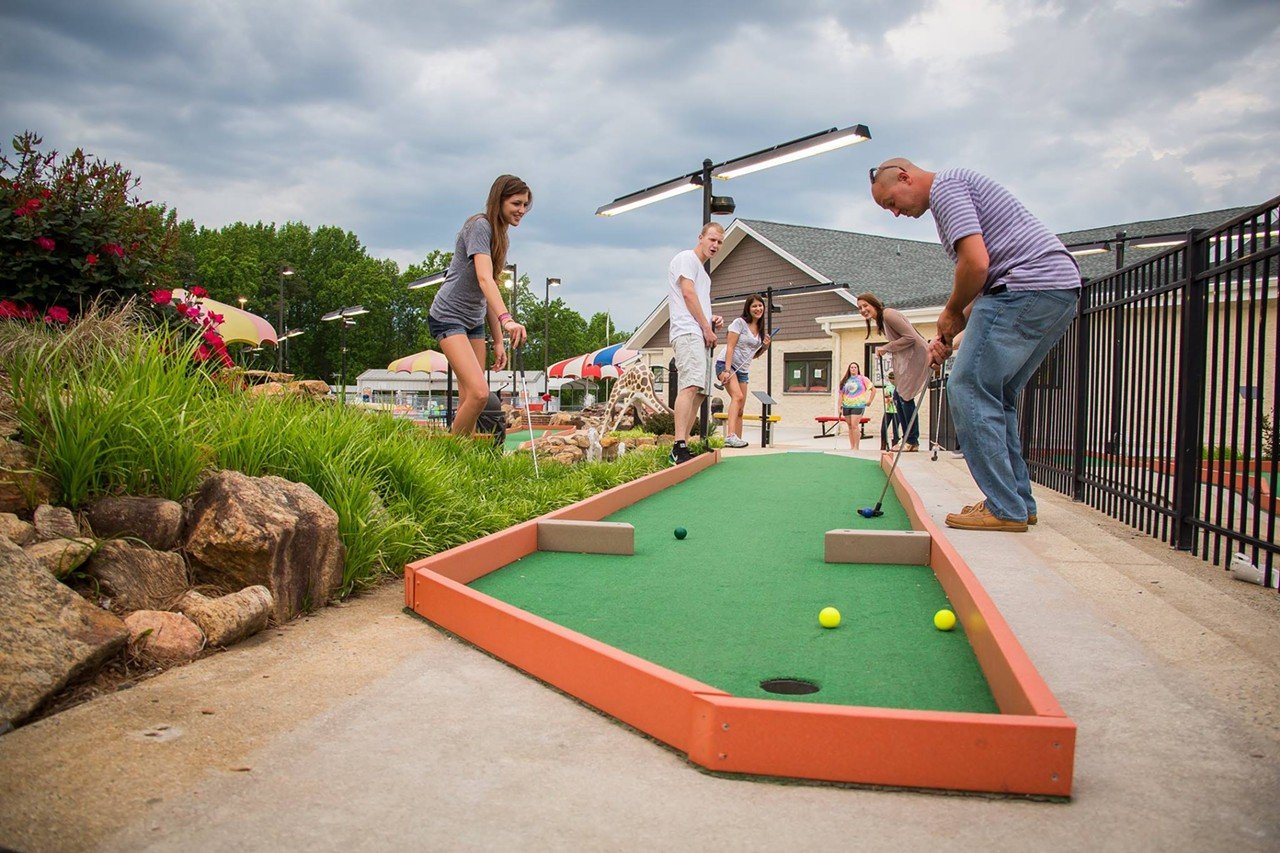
(528, 416)
(876, 512)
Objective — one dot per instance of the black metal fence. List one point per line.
(1158, 406)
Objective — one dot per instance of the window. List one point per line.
(807, 372)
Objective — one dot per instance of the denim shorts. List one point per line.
(441, 330)
(743, 375)
(853, 410)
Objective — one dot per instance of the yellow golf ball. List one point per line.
(944, 620)
(828, 617)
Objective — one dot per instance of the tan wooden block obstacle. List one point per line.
(587, 537)
(895, 547)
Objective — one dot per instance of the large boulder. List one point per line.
(49, 635)
(22, 485)
(156, 521)
(245, 531)
(231, 618)
(137, 578)
(163, 637)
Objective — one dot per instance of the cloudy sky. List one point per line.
(390, 119)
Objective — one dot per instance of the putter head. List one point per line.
(493, 421)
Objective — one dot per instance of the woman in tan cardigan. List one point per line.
(910, 361)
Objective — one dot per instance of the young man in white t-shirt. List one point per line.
(692, 330)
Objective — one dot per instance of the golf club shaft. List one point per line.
(902, 444)
(528, 415)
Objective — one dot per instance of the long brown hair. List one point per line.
(749, 320)
(504, 187)
(870, 299)
(848, 371)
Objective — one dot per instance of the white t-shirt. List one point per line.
(687, 265)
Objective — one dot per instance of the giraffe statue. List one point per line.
(632, 390)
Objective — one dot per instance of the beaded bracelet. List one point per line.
(503, 318)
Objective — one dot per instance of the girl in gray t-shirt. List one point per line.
(470, 294)
(747, 340)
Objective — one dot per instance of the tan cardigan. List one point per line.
(910, 354)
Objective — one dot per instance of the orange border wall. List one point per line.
(1028, 748)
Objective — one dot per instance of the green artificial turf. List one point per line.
(737, 601)
(515, 439)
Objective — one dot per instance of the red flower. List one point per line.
(198, 292)
(113, 249)
(211, 338)
(202, 353)
(8, 309)
(216, 318)
(26, 312)
(162, 297)
(133, 247)
(45, 243)
(46, 192)
(91, 259)
(192, 311)
(57, 314)
(546, 398)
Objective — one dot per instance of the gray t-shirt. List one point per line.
(460, 299)
(748, 343)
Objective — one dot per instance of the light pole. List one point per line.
(787, 152)
(344, 315)
(242, 300)
(510, 269)
(292, 333)
(286, 270)
(546, 335)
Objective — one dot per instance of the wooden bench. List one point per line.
(830, 425)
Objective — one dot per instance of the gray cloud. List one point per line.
(390, 119)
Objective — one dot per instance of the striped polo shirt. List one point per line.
(1024, 254)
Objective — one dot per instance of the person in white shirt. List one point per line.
(692, 330)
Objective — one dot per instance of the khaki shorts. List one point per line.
(693, 362)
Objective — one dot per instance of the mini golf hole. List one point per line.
(789, 686)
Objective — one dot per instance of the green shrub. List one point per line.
(73, 229)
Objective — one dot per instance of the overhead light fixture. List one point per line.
(1091, 249)
(658, 192)
(428, 280)
(789, 152)
(287, 271)
(332, 315)
(1155, 243)
(722, 205)
(354, 311)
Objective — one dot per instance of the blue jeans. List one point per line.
(906, 411)
(1008, 335)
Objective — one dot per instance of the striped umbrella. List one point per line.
(237, 326)
(599, 364)
(427, 361)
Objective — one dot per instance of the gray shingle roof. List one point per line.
(917, 274)
(904, 273)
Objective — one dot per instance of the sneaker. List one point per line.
(982, 505)
(981, 519)
(734, 441)
(679, 455)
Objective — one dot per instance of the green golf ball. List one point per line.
(681, 533)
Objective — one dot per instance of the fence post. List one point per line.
(1189, 432)
(1078, 444)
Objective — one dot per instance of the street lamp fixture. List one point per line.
(345, 315)
(285, 271)
(243, 300)
(546, 335)
(428, 280)
(787, 152)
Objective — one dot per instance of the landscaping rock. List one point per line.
(49, 635)
(55, 522)
(16, 530)
(136, 577)
(163, 637)
(22, 486)
(60, 557)
(309, 388)
(243, 531)
(156, 521)
(231, 618)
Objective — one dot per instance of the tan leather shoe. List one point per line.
(1031, 519)
(980, 518)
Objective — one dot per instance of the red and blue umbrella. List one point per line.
(600, 364)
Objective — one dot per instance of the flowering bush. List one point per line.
(212, 347)
(10, 310)
(73, 229)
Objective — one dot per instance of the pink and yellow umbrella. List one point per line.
(237, 326)
(427, 361)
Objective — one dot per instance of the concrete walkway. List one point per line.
(362, 728)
